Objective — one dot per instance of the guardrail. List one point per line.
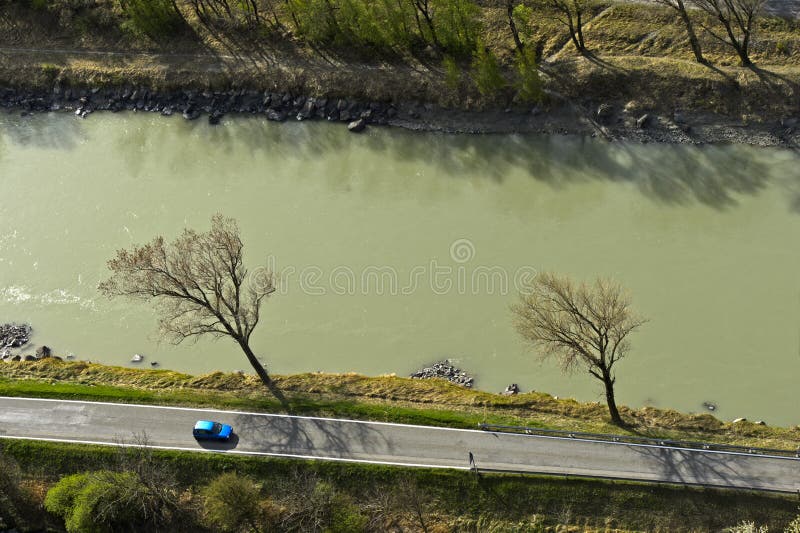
(633, 439)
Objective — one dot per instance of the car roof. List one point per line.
(206, 425)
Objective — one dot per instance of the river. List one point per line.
(395, 249)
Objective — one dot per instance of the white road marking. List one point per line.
(394, 424)
(236, 452)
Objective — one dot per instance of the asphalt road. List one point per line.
(374, 442)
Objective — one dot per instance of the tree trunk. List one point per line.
(741, 51)
(573, 35)
(513, 26)
(608, 381)
(254, 362)
(579, 32)
(693, 41)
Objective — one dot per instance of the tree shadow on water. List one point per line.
(714, 176)
(42, 131)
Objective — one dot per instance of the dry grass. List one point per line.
(642, 49)
(382, 396)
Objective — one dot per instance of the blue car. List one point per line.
(209, 430)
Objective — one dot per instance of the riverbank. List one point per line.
(382, 398)
(624, 124)
(638, 84)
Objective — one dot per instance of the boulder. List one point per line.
(789, 122)
(307, 110)
(604, 111)
(739, 420)
(277, 116)
(511, 390)
(43, 352)
(30, 357)
(357, 126)
(191, 112)
(137, 358)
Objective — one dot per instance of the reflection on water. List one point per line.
(704, 237)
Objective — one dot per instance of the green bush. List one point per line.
(232, 502)
(102, 501)
(60, 499)
(486, 71)
(10, 494)
(452, 73)
(457, 25)
(527, 82)
(347, 518)
(155, 18)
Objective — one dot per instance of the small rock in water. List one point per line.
(710, 406)
(137, 358)
(511, 390)
(739, 420)
(760, 423)
(43, 352)
(70, 356)
(357, 126)
(153, 363)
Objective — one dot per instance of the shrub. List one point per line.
(527, 83)
(154, 18)
(105, 501)
(10, 495)
(457, 25)
(60, 499)
(486, 71)
(452, 73)
(232, 502)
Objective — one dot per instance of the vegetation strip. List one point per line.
(447, 500)
(382, 399)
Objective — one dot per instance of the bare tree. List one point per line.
(738, 18)
(570, 13)
(199, 285)
(680, 7)
(582, 326)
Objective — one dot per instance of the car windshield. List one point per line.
(217, 427)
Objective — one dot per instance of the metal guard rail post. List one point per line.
(632, 439)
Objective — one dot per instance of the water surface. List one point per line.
(387, 240)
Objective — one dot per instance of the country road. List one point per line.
(375, 442)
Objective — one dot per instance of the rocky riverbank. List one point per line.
(445, 370)
(14, 335)
(619, 121)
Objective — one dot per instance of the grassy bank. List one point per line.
(382, 398)
(451, 501)
(641, 58)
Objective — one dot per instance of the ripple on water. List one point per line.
(18, 294)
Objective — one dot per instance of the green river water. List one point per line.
(397, 249)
